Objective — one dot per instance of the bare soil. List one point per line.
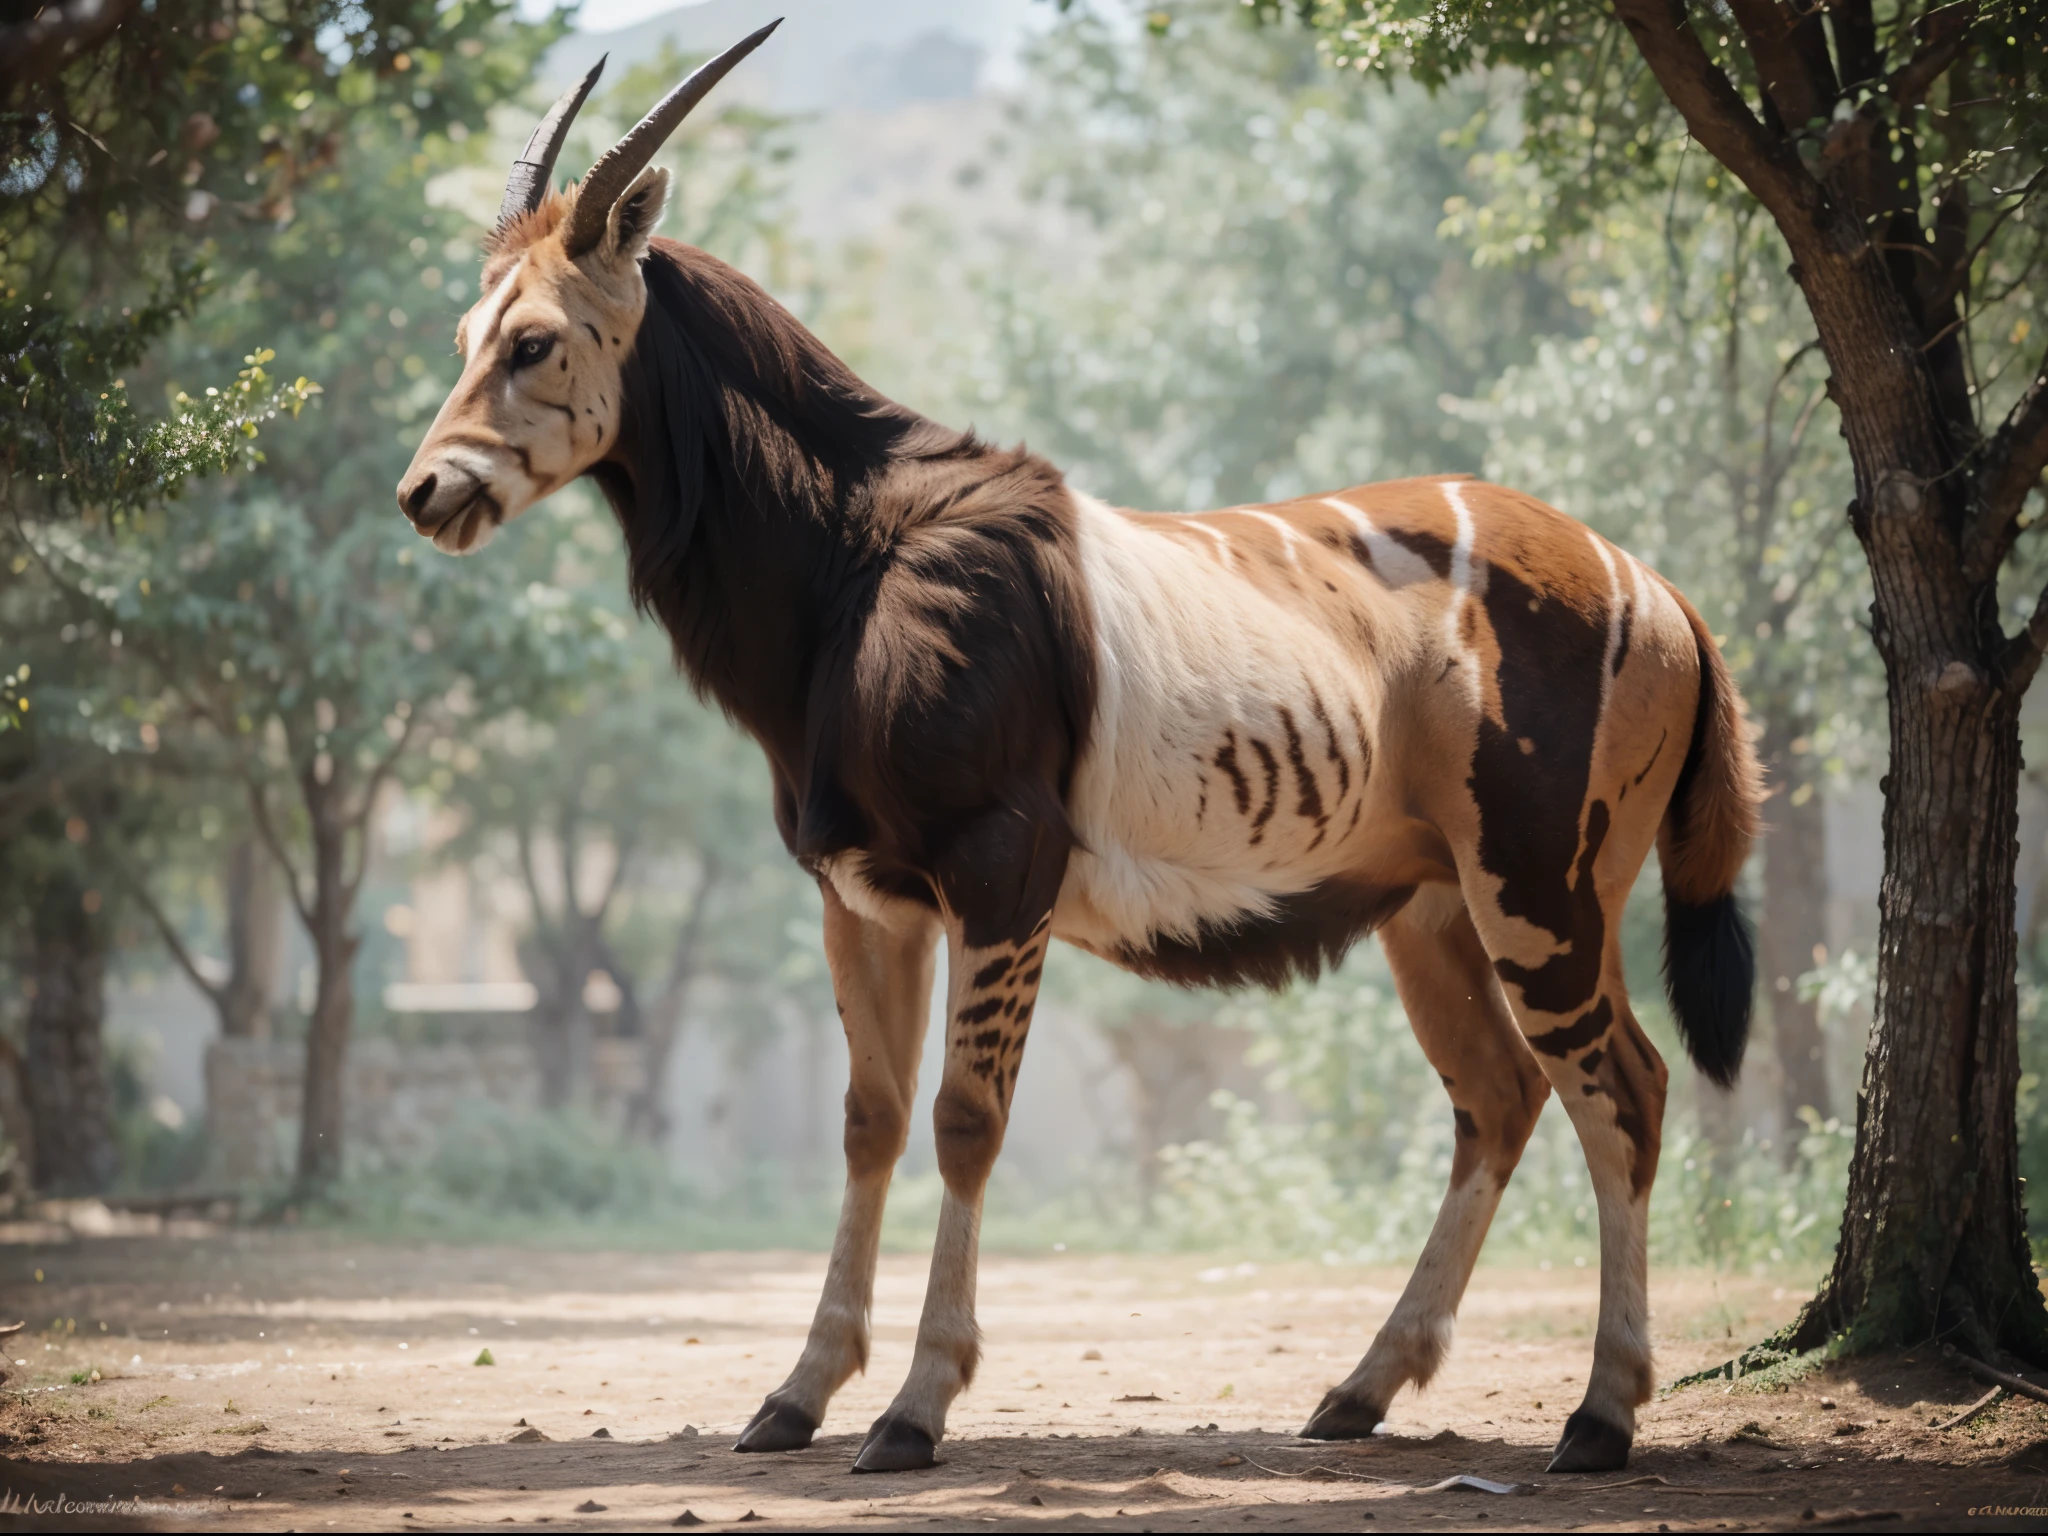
(269, 1381)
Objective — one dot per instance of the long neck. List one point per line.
(749, 484)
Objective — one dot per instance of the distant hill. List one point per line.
(830, 55)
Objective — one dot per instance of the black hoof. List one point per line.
(1590, 1444)
(896, 1445)
(1339, 1417)
(777, 1427)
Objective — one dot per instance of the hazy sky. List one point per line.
(998, 25)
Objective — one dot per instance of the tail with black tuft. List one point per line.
(1710, 976)
(1709, 947)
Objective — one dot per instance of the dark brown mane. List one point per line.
(837, 571)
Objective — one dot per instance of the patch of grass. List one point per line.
(86, 1376)
(158, 1402)
(1762, 1368)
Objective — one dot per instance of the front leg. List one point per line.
(882, 978)
(998, 889)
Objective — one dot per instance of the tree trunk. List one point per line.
(662, 1024)
(1933, 1235)
(322, 1107)
(70, 1111)
(255, 942)
(559, 1029)
(1794, 932)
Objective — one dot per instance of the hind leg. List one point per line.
(1462, 1019)
(1611, 1079)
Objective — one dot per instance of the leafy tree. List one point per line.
(635, 825)
(61, 778)
(1241, 293)
(136, 141)
(1899, 151)
(279, 634)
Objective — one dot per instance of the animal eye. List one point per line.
(529, 350)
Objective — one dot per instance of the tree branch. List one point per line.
(621, 856)
(1959, 270)
(173, 941)
(350, 884)
(1715, 112)
(1797, 85)
(2021, 657)
(1855, 29)
(55, 35)
(523, 841)
(2008, 473)
(1944, 34)
(259, 806)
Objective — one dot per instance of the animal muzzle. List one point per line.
(450, 505)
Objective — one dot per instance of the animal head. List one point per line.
(541, 397)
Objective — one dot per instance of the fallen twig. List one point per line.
(1636, 1482)
(1357, 1477)
(1973, 1410)
(1991, 1375)
(1456, 1481)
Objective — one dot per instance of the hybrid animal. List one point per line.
(1216, 748)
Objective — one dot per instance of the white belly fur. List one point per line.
(1186, 653)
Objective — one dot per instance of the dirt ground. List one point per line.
(271, 1381)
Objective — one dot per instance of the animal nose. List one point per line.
(417, 497)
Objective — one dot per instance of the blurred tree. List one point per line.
(1899, 149)
(136, 139)
(635, 824)
(1239, 292)
(280, 634)
(1682, 426)
(299, 653)
(61, 776)
(1173, 1052)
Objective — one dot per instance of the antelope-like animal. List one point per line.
(1216, 748)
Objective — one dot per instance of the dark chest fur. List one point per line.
(893, 609)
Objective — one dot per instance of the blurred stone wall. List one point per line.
(398, 1097)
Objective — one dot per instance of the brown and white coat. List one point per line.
(1216, 748)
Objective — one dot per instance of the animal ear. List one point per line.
(635, 215)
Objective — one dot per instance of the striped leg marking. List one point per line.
(991, 992)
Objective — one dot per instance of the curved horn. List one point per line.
(528, 183)
(617, 167)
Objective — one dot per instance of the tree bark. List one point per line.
(1934, 1234)
(1933, 1237)
(70, 1110)
(1794, 930)
(255, 942)
(321, 1113)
